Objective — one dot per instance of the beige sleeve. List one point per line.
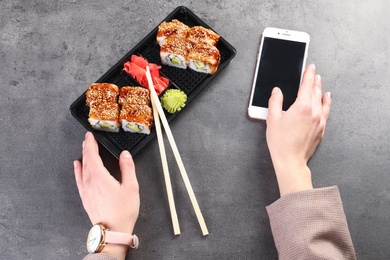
(311, 225)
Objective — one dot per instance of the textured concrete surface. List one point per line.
(50, 51)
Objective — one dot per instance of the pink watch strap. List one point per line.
(113, 237)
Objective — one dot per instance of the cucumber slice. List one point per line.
(134, 127)
(175, 60)
(200, 65)
(107, 126)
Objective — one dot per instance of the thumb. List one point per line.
(127, 168)
(275, 102)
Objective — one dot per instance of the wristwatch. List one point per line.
(99, 236)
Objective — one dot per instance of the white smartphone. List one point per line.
(280, 63)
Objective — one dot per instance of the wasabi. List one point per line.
(173, 100)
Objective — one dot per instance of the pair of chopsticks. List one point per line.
(158, 114)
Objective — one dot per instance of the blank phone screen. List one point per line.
(280, 66)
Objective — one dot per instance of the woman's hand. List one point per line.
(294, 135)
(107, 201)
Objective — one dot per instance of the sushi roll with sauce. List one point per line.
(174, 52)
(134, 95)
(104, 116)
(136, 118)
(98, 92)
(200, 34)
(204, 58)
(173, 29)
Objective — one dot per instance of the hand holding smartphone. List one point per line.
(280, 63)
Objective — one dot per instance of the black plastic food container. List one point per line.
(189, 81)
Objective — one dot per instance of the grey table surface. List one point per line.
(50, 51)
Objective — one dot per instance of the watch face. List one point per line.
(94, 238)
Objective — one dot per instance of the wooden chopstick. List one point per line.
(176, 153)
(168, 185)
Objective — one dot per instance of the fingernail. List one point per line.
(318, 78)
(275, 90)
(330, 95)
(83, 144)
(313, 66)
(74, 164)
(86, 134)
(126, 154)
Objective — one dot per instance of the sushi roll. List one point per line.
(104, 116)
(101, 92)
(136, 118)
(134, 95)
(199, 34)
(204, 58)
(174, 52)
(173, 29)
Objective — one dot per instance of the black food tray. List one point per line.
(189, 81)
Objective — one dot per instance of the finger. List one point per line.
(90, 147)
(91, 158)
(318, 87)
(127, 168)
(77, 168)
(326, 103)
(306, 88)
(275, 103)
(92, 144)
